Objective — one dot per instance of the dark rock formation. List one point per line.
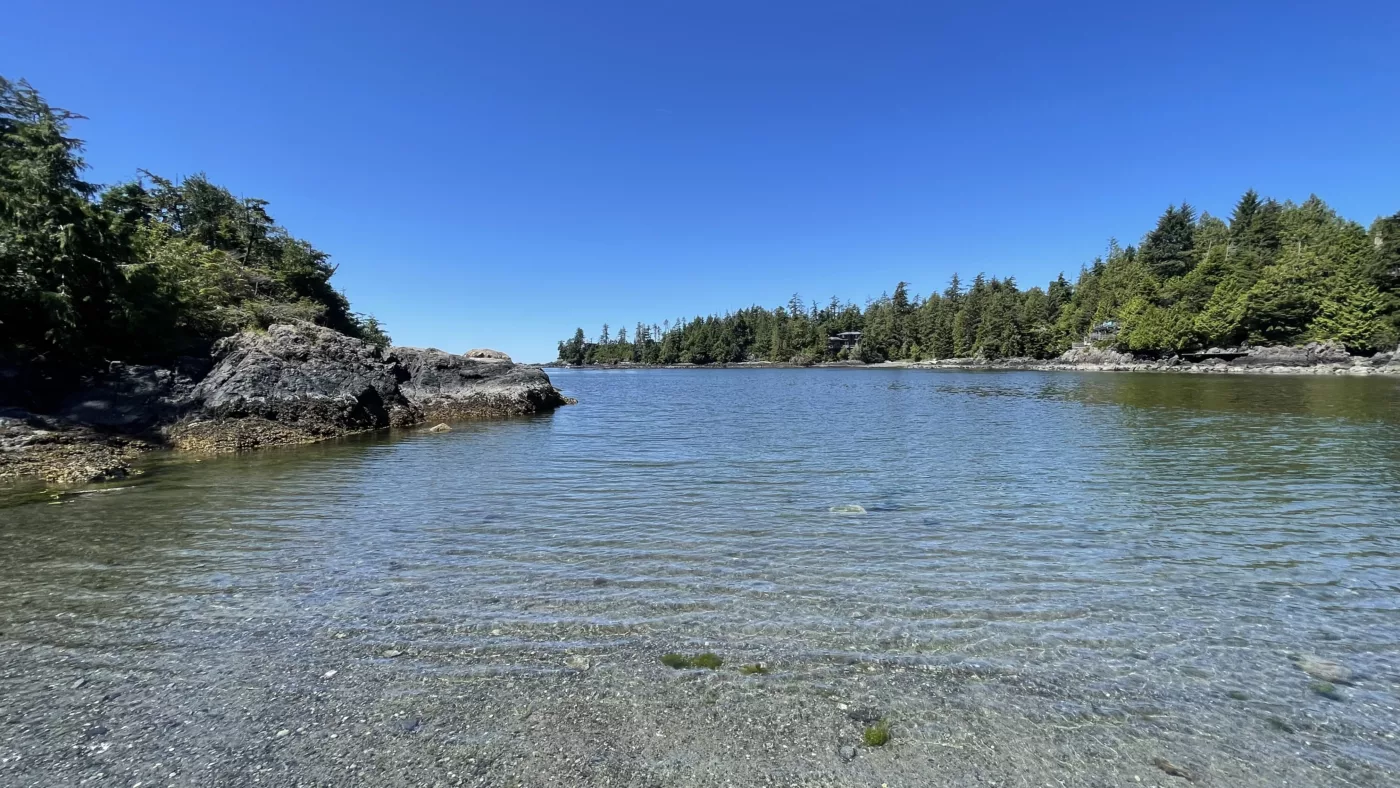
(295, 383)
(131, 398)
(447, 387)
(299, 383)
(1309, 355)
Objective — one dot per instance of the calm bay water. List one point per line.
(1161, 540)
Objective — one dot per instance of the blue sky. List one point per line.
(497, 173)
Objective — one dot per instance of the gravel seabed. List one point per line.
(344, 707)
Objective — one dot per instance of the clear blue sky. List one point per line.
(498, 173)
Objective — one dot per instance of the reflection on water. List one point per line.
(1166, 536)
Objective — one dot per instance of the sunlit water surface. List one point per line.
(1172, 535)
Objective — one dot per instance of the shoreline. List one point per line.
(1312, 359)
(1358, 369)
(293, 384)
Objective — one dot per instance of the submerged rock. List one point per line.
(1172, 769)
(847, 508)
(441, 428)
(1323, 670)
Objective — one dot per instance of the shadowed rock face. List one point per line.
(306, 377)
(447, 386)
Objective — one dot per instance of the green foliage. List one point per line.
(1221, 321)
(372, 331)
(1167, 250)
(676, 661)
(149, 269)
(1354, 314)
(877, 735)
(1276, 273)
(756, 669)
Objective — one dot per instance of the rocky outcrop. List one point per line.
(1309, 355)
(133, 398)
(95, 426)
(447, 387)
(485, 353)
(1314, 358)
(299, 383)
(1392, 363)
(294, 383)
(42, 446)
(1099, 356)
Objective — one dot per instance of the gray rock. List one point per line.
(1323, 670)
(1096, 356)
(848, 753)
(304, 376)
(448, 387)
(410, 725)
(441, 428)
(1311, 354)
(294, 383)
(487, 354)
(1392, 366)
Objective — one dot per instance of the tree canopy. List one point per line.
(142, 270)
(1276, 273)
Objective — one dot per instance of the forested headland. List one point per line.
(1275, 273)
(138, 271)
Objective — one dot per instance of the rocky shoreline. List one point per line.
(294, 383)
(1317, 358)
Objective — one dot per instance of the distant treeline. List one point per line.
(1275, 273)
(143, 270)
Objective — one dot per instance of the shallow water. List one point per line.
(1158, 539)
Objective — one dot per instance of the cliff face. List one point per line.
(294, 383)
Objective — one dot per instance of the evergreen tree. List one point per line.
(1354, 314)
(1277, 273)
(57, 273)
(1167, 250)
